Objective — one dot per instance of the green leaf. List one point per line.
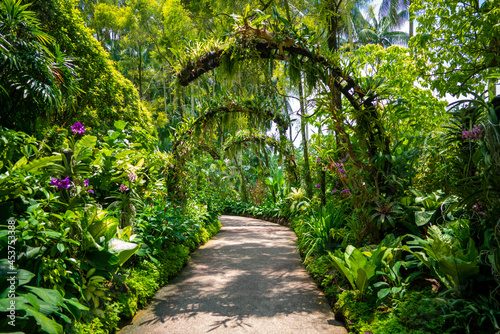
(47, 325)
(87, 142)
(423, 217)
(124, 250)
(47, 309)
(40, 163)
(379, 284)
(383, 293)
(51, 234)
(102, 258)
(101, 227)
(120, 125)
(74, 307)
(20, 163)
(33, 300)
(24, 276)
(52, 297)
(361, 279)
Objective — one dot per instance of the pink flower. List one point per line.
(132, 177)
(318, 186)
(123, 188)
(477, 132)
(90, 191)
(466, 135)
(86, 183)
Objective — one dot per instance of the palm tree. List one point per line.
(382, 31)
(391, 8)
(35, 75)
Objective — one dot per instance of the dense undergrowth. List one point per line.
(112, 170)
(89, 229)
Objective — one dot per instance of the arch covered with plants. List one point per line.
(257, 37)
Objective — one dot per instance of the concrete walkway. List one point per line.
(247, 279)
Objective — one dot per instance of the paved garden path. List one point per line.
(247, 279)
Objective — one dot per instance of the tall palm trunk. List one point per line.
(303, 130)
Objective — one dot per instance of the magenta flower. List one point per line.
(54, 181)
(64, 183)
(346, 191)
(342, 171)
(123, 188)
(78, 128)
(90, 191)
(325, 168)
(86, 183)
(61, 184)
(334, 191)
(318, 186)
(319, 160)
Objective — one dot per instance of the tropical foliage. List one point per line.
(128, 127)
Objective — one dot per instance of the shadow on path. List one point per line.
(248, 279)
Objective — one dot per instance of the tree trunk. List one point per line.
(333, 24)
(307, 170)
(411, 18)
